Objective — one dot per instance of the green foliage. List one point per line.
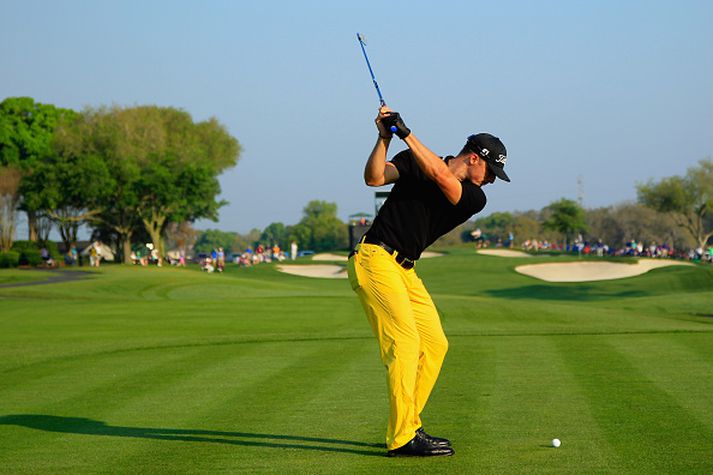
(689, 199)
(213, 238)
(566, 217)
(164, 166)
(70, 189)
(495, 225)
(9, 259)
(275, 233)
(668, 195)
(27, 130)
(10, 178)
(526, 226)
(320, 229)
(52, 249)
(30, 253)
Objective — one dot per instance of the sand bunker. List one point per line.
(328, 271)
(318, 270)
(339, 258)
(590, 271)
(329, 257)
(503, 253)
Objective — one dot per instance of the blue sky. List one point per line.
(611, 93)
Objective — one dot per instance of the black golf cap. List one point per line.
(491, 149)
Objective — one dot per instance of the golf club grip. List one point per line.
(393, 128)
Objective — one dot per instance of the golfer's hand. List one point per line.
(384, 131)
(393, 119)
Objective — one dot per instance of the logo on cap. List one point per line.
(502, 159)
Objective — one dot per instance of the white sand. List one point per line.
(324, 271)
(336, 257)
(329, 257)
(590, 271)
(503, 253)
(328, 271)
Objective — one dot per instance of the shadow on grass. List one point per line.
(581, 292)
(80, 425)
(58, 277)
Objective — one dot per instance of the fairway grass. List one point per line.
(164, 370)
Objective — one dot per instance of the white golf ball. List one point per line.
(556, 443)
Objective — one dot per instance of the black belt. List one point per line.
(400, 259)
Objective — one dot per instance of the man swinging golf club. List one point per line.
(430, 197)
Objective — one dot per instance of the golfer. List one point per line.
(430, 197)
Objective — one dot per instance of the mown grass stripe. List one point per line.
(642, 423)
(525, 396)
(241, 417)
(661, 357)
(73, 398)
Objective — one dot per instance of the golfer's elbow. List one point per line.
(372, 180)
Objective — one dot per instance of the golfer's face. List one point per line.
(480, 173)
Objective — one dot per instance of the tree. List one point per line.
(566, 217)
(320, 229)
(214, 238)
(181, 236)
(688, 199)
(495, 225)
(243, 241)
(101, 132)
(164, 165)
(9, 186)
(180, 167)
(526, 226)
(275, 233)
(69, 189)
(26, 134)
(619, 224)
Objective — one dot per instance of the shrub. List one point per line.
(29, 252)
(52, 248)
(9, 259)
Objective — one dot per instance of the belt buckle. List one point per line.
(405, 262)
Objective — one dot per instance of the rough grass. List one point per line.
(175, 371)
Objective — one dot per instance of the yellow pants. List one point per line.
(411, 340)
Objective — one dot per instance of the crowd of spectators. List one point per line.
(260, 254)
(633, 248)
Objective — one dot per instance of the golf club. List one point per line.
(362, 43)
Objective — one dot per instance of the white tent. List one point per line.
(104, 251)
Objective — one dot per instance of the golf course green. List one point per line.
(165, 370)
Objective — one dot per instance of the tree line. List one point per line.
(676, 210)
(123, 171)
(145, 173)
(320, 229)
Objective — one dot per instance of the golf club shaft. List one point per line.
(371, 71)
(373, 78)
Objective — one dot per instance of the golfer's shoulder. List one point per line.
(404, 164)
(473, 197)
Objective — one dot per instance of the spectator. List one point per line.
(220, 262)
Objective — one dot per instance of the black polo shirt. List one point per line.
(416, 213)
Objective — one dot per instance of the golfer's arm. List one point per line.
(435, 169)
(378, 171)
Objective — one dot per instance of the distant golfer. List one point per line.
(431, 196)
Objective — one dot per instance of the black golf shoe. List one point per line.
(439, 441)
(419, 446)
